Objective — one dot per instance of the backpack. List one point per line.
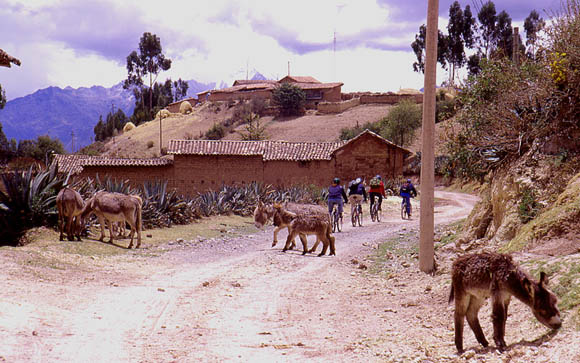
(375, 182)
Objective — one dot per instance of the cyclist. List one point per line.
(356, 193)
(407, 192)
(377, 190)
(336, 194)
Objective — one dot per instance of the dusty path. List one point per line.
(240, 300)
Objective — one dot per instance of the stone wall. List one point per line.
(389, 98)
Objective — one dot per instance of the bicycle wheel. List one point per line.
(353, 218)
(334, 221)
(403, 210)
(360, 216)
(378, 215)
(339, 222)
(372, 211)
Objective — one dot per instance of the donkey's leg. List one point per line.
(499, 317)
(276, 230)
(461, 305)
(325, 243)
(70, 227)
(474, 305)
(313, 249)
(289, 240)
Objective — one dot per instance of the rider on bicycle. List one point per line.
(336, 194)
(377, 190)
(406, 192)
(356, 193)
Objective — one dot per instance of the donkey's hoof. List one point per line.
(274, 243)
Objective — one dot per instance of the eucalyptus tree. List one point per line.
(419, 46)
(532, 26)
(146, 65)
(460, 36)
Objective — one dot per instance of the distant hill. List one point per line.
(60, 112)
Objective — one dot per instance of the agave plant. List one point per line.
(28, 200)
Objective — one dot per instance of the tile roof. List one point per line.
(74, 164)
(301, 79)
(269, 150)
(252, 81)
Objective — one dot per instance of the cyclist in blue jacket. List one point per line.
(406, 192)
(336, 195)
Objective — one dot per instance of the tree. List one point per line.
(290, 98)
(7, 148)
(112, 126)
(504, 34)
(487, 19)
(419, 48)
(41, 148)
(401, 122)
(460, 30)
(2, 98)
(254, 130)
(148, 63)
(532, 26)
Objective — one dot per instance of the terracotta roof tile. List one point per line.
(269, 150)
(75, 163)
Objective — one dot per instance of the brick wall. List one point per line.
(288, 173)
(136, 175)
(368, 157)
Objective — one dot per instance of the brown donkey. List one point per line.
(476, 277)
(69, 204)
(265, 212)
(116, 207)
(306, 224)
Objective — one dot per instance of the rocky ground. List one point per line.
(235, 298)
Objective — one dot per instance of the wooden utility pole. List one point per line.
(427, 222)
(160, 135)
(516, 47)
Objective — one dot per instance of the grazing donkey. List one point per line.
(306, 224)
(475, 277)
(116, 207)
(70, 205)
(264, 213)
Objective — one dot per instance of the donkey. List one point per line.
(264, 213)
(116, 207)
(475, 277)
(306, 224)
(70, 205)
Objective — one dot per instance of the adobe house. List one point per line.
(201, 165)
(247, 89)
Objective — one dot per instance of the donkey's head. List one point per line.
(262, 214)
(544, 303)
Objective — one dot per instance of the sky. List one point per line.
(81, 43)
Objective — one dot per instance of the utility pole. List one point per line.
(72, 141)
(160, 134)
(427, 221)
(516, 47)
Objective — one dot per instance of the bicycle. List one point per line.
(376, 212)
(336, 219)
(357, 215)
(406, 209)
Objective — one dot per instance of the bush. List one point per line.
(400, 124)
(216, 132)
(290, 99)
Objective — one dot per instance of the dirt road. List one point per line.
(238, 299)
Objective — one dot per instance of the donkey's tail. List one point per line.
(451, 294)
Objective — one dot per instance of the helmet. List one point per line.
(336, 180)
(408, 180)
(378, 176)
(358, 180)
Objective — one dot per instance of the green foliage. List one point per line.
(2, 98)
(400, 124)
(254, 130)
(112, 126)
(27, 200)
(444, 109)
(528, 207)
(290, 99)
(216, 132)
(40, 149)
(419, 46)
(347, 133)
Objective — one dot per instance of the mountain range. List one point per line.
(70, 114)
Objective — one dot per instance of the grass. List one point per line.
(45, 251)
(564, 277)
(449, 233)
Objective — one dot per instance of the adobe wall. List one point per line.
(288, 173)
(389, 98)
(337, 107)
(136, 175)
(200, 173)
(366, 158)
(174, 107)
(332, 95)
(247, 95)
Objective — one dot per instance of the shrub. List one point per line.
(216, 132)
(290, 99)
(400, 124)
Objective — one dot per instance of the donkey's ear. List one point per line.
(543, 279)
(528, 286)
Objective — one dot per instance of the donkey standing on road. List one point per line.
(306, 224)
(70, 205)
(265, 212)
(476, 277)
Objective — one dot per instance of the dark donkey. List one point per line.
(476, 277)
(69, 204)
